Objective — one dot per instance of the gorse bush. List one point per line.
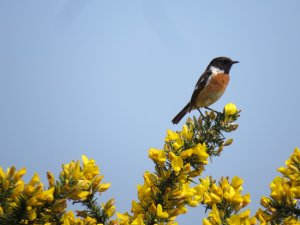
(166, 193)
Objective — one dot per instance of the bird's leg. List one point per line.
(200, 112)
(217, 113)
(213, 110)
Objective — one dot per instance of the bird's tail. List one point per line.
(181, 114)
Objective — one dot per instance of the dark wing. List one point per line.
(199, 87)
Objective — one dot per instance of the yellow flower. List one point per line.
(182, 210)
(123, 217)
(144, 192)
(59, 205)
(193, 203)
(186, 132)
(177, 163)
(160, 213)
(159, 156)
(46, 195)
(79, 195)
(178, 144)
(229, 109)
(31, 213)
(110, 211)
(215, 198)
(90, 169)
(229, 194)
(150, 179)
(291, 221)
(104, 187)
(186, 153)
(262, 216)
(265, 201)
(214, 215)
(175, 138)
(11, 171)
(96, 181)
(245, 214)
(136, 208)
(200, 151)
(206, 222)
(50, 178)
(171, 136)
(246, 199)
(34, 180)
(2, 173)
(138, 221)
(237, 183)
(19, 174)
(19, 188)
(68, 218)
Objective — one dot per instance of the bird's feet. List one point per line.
(200, 112)
(213, 110)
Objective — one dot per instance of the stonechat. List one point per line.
(210, 86)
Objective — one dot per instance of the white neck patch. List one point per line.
(215, 70)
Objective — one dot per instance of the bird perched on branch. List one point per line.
(210, 86)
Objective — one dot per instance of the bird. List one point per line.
(210, 86)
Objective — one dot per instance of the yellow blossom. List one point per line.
(19, 174)
(214, 215)
(159, 156)
(200, 151)
(136, 208)
(2, 174)
(229, 109)
(79, 195)
(160, 213)
(31, 214)
(50, 178)
(245, 214)
(206, 222)
(144, 192)
(104, 187)
(150, 179)
(138, 221)
(186, 153)
(34, 180)
(237, 183)
(110, 211)
(186, 132)
(90, 169)
(59, 205)
(172, 136)
(10, 172)
(177, 163)
(175, 139)
(97, 181)
(124, 218)
(215, 198)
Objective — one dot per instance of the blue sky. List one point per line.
(105, 78)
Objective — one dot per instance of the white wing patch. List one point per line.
(201, 81)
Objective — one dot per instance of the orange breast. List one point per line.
(213, 90)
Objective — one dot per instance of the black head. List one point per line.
(222, 63)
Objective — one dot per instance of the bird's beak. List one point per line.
(233, 62)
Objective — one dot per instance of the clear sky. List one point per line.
(105, 78)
